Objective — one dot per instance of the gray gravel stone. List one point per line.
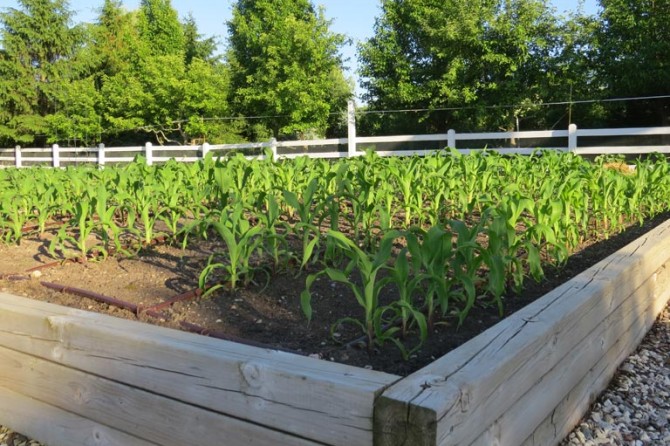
(635, 408)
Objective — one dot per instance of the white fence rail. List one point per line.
(579, 141)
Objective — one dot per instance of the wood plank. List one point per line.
(454, 399)
(567, 414)
(621, 150)
(633, 131)
(323, 401)
(151, 417)
(56, 427)
(616, 337)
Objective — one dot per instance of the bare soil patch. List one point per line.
(262, 314)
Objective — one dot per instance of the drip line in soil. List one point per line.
(91, 295)
(46, 265)
(51, 224)
(180, 297)
(14, 276)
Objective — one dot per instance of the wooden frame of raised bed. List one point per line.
(73, 377)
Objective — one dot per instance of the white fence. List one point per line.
(580, 141)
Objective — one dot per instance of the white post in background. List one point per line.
(148, 153)
(55, 155)
(17, 156)
(451, 139)
(351, 129)
(101, 155)
(204, 150)
(572, 137)
(273, 148)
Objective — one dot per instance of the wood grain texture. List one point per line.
(459, 397)
(151, 417)
(318, 400)
(609, 343)
(56, 427)
(569, 412)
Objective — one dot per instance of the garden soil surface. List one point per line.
(267, 313)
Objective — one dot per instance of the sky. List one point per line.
(354, 18)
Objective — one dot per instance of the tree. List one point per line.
(635, 57)
(476, 59)
(147, 84)
(575, 74)
(195, 46)
(159, 26)
(36, 68)
(285, 64)
(116, 42)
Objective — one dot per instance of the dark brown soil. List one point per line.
(266, 314)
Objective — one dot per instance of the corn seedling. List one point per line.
(367, 293)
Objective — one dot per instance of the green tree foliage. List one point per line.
(196, 46)
(38, 71)
(461, 55)
(575, 74)
(160, 27)
(116, 42)
(469, 65)
(157, 81)
(635, 57)
(285, 63)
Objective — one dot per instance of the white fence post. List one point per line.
(17, 156)
(273, 148)
(351, 130)
(204, 150)
(148, 153)
(451, 139)
(572, 137)
(55, 155)
(101, 155)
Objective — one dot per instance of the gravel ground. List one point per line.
(635, 408)
(633, 411)
(9, 438)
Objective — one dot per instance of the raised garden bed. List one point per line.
(72, 377)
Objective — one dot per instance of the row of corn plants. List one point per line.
(444, 233)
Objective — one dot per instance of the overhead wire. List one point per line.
(413, 110)
(539, 104)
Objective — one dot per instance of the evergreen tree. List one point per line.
(160, 27)
(35, 68)
(116, 40)
(195, 46)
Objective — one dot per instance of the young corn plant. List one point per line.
(465, 264)
(274, 235)
(107, 228)
(374, 324)
(79, 229)
(14, 215)
(431, 254)
(44, 204)
(363, 195)
(144, 206)
(408, 282)
(406, 173)
(475, 178)
(505, 242)
(308, 208)
(242, 241)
